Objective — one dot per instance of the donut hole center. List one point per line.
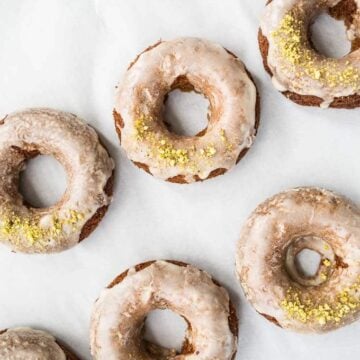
(43, 182)
(328, 36)
(185, 112)
(307, 262)
(166, 329)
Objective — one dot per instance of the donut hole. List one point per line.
(43, 182)
(185, 112)
(328, 36)
(166, 329)
(307, 262)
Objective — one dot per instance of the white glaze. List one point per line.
(29, 344)
(88, 166)
(273, 226)
(119, 313)
(285, 75)
(212, 70)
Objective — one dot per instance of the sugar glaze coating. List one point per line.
(303, 218)
(296, 67)
(29, 344)
(89, 167)
(188, 64)
(119, 314)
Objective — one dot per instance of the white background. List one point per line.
(69, 55)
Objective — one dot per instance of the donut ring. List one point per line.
(304, 218)
(188, 64)
(119, 314)
(89, 168)
(297, 69)
(30, 344)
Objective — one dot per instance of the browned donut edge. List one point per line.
(69, 354)
(184, 86)
(94, 221)
(342, 11)
(187, 347)
(272, 319)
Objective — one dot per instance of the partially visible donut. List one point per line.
(278, 230)
(186, 64)
(89, 168)
(120, 312)
(297, 69)
(30, 344)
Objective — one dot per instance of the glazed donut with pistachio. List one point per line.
(26, 134)
(30, 344)
(186, 64)
(299, 71)
(120, 312)
(267, 266)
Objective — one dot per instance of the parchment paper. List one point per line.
(69, 55)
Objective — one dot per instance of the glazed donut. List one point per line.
(187, 64)
(297, 69)
(120, 312)
(89, 168)
(30, 344)
(274, 283)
